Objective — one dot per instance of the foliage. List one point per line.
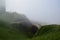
(7, 33)
(49, 36)
(47, 32)
(48, 28)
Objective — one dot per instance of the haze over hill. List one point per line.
(28, 19)
(13, 17)
(46, 11)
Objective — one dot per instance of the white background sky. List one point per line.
(38, 10)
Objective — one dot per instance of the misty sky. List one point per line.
(39, 10)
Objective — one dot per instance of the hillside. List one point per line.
(47, 32)
(13, 17)
(9, 32)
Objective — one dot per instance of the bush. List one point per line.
(48, 28)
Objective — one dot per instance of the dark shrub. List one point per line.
(48, 29)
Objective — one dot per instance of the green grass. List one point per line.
(47, 32)
(49, 36)
(9, 34)
(48, 28)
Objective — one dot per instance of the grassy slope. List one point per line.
(49, 32)
(7, 32)
(10, 34)
(49, 36)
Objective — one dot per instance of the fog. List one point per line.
(2, 3)
(38, 10)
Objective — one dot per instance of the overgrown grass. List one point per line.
(49, 36)
(48, 28)
(47, 32)
(10, 33)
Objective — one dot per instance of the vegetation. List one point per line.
(12, 17)
(9, 32)
(48, 32)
